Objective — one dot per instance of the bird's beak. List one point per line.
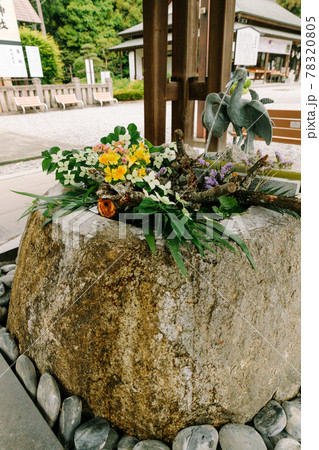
(232, 81)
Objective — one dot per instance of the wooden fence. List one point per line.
(47, 92)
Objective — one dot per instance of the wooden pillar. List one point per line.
(121, 68)
(266, 67)
(287, 60)
(202, 61)
(221, 34)
(41, 17)
(184, 63)
(155, 17)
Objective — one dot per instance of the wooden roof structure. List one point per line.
(194, 74)
(25, 12)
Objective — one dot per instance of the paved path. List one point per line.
(22, 426)
(13, 205)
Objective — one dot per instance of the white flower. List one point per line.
(92, 158)
(79, 156)
(179, 199)
(69, 178)
(63, 166)
(133, 177)
(124, 137)
(151, 179)
(84, 172)
(166, 188)
(164, 199)
(57, 157)
(186, 212)
(158, 161)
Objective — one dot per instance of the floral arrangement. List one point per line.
(125, 174)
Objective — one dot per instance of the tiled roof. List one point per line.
(267, 9)
(25, 12)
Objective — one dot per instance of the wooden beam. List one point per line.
(155, 17)
(221, 35)
(266, 67)
(202, 60)
(184, 63)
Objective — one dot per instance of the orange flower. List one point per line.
(119, 173)
(109, 158)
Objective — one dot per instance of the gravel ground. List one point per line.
(84, 127)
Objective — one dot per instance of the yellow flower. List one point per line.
(119, 173)
(143, 155)
(108, 173)
(109, 158)
(131, 160)
(141, 172)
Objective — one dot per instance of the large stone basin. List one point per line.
(119, 326)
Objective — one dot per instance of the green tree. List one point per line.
(293, 6)
(52, 65)
(75, 23)
(87, 52)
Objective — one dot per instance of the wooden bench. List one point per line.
(29, 102)
(104, 97)
(286, 128)
(67, 99)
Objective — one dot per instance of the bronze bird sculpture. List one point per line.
(221, 109)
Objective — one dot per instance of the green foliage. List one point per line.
(181, 230)
(128, 90)
(75, 23)
(88, 51)
(228, 207)
(135, 136)
(245, 88)
(60, 205)
(49, 51)
(293, 6)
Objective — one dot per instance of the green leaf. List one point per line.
(150, 239)
(54, 150)
(52, 168)
(174, 248)
(227, 202)
(131, 128)
(46, 163)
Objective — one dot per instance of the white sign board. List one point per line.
(246, 47)
(8, 22)
(276, 46)
(89, 71)
(104, 76)
(12, 61)
(34, 61)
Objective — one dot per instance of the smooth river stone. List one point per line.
(92, 435)
(203, 437)
(26, 372)
(7, 280)
(271, 419)
(282, 435)
(2, 289)
(240, 437)
(70, 419)
(267, 441)
(288, 444)
(8, 267)
(4, 300)
(293, 413)
(49, 398)
(151, 444)
(8, 347)
(127, 443)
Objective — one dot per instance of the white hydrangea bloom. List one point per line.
(133, 177)
(79, 156)
(166, 188)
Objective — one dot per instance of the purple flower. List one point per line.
(161, 171)
(279, 157)
(259, 153)
(245, 161)
(225, 169)
(201, 161)
(210, 182)
(148, 169)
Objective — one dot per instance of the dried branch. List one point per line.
(248, 198)
(246, 181)
(211, 195)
